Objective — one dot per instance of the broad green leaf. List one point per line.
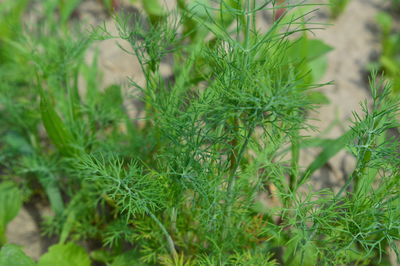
(211, 27)
(56, 128)
(54, 195)
(194, 13)
(317, 48)
(317, 97)
(65, 255)
(318, 68)
(12, 255)
(10, 25)
(127, 259)
(226, 17)
(10, 204)
(101, 255)
(330, 150)
(198, 8)
(310, 55)
(295, 15)
(308, 49)
(68, 225)
(154, 10)
(385, 21)
(315, 142)
(18, 143)
(390, 65)
(337, 7)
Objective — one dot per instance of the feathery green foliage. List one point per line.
(184, 185)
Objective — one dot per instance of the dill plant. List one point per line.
(184, 187)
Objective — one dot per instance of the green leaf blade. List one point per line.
(65, 255)
(55, 128)
(12, 255)
(10, 204)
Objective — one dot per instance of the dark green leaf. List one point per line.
(127, 259)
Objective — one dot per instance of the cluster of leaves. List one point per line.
(389, 61)
(182, 185)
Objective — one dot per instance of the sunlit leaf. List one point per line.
(12, 255)
(65, 255)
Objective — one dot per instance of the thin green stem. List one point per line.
(294, 162)
(170, 242)
(232, 181)
(358, 172)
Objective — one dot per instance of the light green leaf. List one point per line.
(317, 48)
(10, 204)
(65, 255)
(308, 49)
(54, 194)
(154, 10)
(68, 225)
(311, 54)
(318, 68)
(337, 7)
(385, 21)
(317, 97)
(199, 8)
(12, 255)
(55, 127)
(296, 13)
(390, 65)
(226, 15)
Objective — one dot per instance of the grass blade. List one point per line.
(330, 149)
(55, 128)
